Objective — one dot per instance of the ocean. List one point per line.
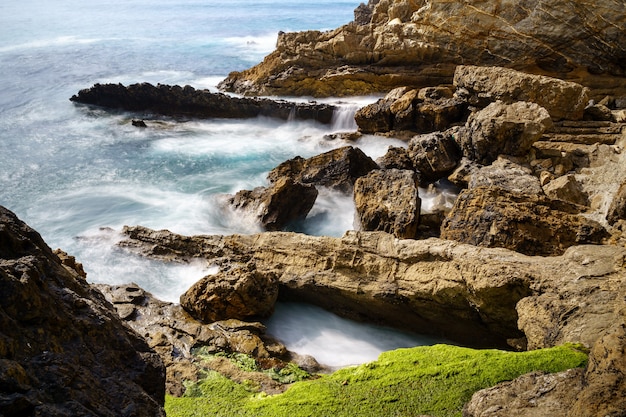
(78, 174)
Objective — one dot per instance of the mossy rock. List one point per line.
(435, 380)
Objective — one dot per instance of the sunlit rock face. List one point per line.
(420, 42)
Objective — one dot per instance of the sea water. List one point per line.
(78, 174)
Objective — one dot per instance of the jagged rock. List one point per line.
(337, 169)
(420, 111)
(530, 224)
(187, 101)
(562, 99)
(503, 129)
(275, 206)
(506, 174)
(388, 200)
(395, 158)
(462, 174)
(567, 188)
(175, 335)
(237, 293)
(434, 155)
(64, 350)
(419, 44)
(617, 209)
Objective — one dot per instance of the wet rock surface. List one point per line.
(188, 102)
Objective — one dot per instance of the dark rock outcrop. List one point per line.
(64, 351)
(424, 111)
(388, 201)
(187, 101)
(434, 155)
(337, 169)
(279, 204)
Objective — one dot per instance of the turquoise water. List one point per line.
(78, 174)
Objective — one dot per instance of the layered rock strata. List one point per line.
(188, 102)
(63, 349)
(396, 43)
(463, 292)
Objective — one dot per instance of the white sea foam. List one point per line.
(49, 43)
(332, 340)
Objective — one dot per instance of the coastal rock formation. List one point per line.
(189, 102)
(434, 155)
(275, 206)
(424, 111)
(419, 43)
(388, 201)
(337, 169)
(64, 350)
(526, 223)
(505, 173)
(562, 99)
(499, 128)
(237, 293)
(463, 292)
(617, 209)
(175, 336)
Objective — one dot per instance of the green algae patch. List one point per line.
(435, 380)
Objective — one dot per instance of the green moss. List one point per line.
(435, 380)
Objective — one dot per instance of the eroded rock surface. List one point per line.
(388, 201)
(419, 43)
(64, 351)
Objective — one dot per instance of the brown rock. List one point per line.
(562, 99)
(388, 200)
(567, 188)
(419, 44)
(275, 206)
(506, 174)
(617, 209)
(238, 293)
(503, 129)
(337, 169)
(434, 155)
(530, 224)
(64, 350)
(395, 158)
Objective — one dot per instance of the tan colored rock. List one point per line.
(506, 174)
(388, 201)
(503, 129)
(419, 44)
(531, 224)
(567, 188)
(562, 99)
(434, 155)
(237, 293)
(617, 209)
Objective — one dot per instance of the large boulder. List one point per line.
(434, 155)
(276, 206)
(530, 224)
(506, 174)
(187, 101)
(238, 293)
(337, 169)
(562, 99)
(503, 129)
(64, 351)
(388, 200)
(420, 43)
(424, 111)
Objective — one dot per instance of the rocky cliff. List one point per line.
(419, 43)
(63, 349)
